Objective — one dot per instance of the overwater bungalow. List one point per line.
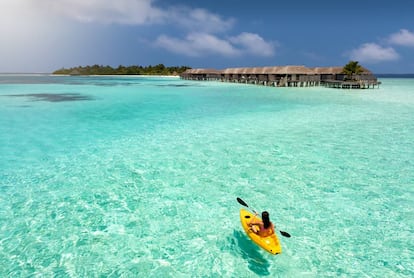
(287, 76)
(201, 74)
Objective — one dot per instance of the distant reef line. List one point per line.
(395, 75)
(159, 69)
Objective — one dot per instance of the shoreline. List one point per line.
(86, 75)
(117, 75)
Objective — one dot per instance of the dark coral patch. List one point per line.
(174, 85)
(54, 97)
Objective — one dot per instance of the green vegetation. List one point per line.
(353, 67)
(121, 70)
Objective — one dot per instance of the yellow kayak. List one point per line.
(270, 243)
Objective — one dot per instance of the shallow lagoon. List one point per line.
(126, 176)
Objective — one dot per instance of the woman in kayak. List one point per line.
(266, 227)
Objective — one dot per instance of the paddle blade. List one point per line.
(241, 202)
(285, 234)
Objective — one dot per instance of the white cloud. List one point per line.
(197, 44)
(106, 11)
(199, 20)
(132, 12)
(28, 36)
(254, 44)
(373, 53)
(403, 37)
(136, 12)
(202, 44)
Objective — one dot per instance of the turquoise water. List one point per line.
(133, 176)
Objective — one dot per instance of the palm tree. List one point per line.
(353, 67)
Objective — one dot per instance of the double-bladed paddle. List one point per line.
(243, 203)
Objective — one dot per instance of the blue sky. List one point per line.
(44, 35)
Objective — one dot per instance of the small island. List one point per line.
(350, 76)
(159, 69)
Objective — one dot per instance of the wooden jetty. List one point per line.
(287, 76)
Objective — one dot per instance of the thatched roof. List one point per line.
(335, 70)
(327, 70)
(269, 70)
(202, 71)
(279, 70)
